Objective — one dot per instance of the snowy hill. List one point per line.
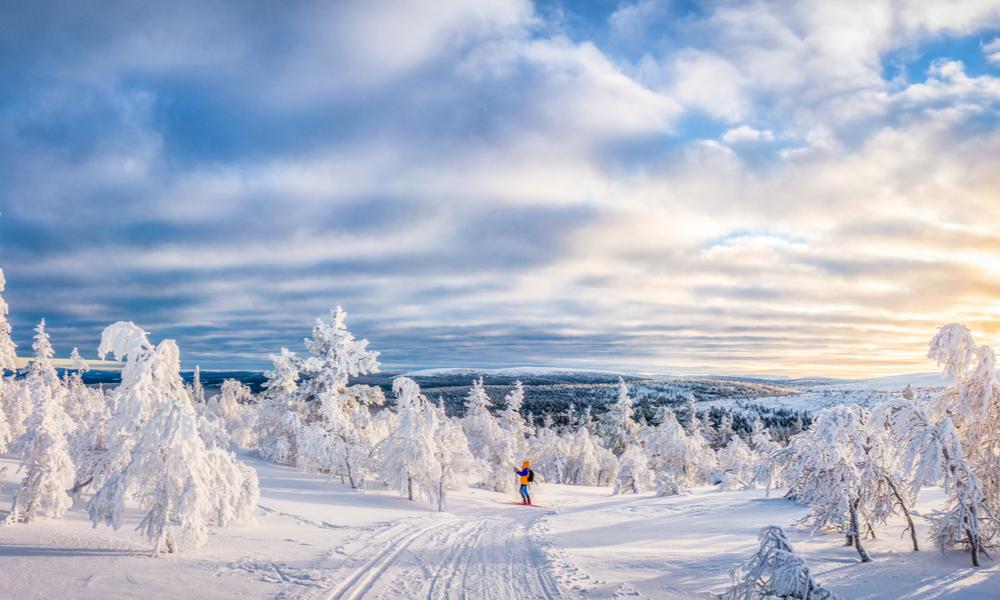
(896, 382)
(316, 538)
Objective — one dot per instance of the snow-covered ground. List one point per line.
(315, 539)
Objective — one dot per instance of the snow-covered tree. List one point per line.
(44, 449)
(932, 452)
(512, 422)
(549, 453)
(7, 347)
(824, 465)
(282, 412)
(409, 455)
(197, 389)
(233, 405)
(765, 468)
(633, 476)
(458, 465)
(724, 433)
(671, 454)
(489, 442)
(774, 571)
(156, 455)
(736, 464)
(6, 431)
(972, 403)
(969, 519)
(88, 408)
(587, 461)
(335, 437)
(619, 427)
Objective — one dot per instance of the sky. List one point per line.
(783, 188)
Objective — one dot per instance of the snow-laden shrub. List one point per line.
(774, 571)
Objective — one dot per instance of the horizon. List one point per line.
(732, 187)
(111, 366)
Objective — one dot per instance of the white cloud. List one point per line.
(991, 50)
(745, 134)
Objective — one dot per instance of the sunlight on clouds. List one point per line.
(743, 188)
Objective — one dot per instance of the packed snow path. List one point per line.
(446, 556)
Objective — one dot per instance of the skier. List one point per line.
(527, 476)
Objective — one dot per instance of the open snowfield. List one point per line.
(316, 539)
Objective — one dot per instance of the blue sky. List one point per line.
(756, 187)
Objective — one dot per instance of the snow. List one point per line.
(316, 538)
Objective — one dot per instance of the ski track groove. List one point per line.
(473, 557)
(364, 577)
(468, 538)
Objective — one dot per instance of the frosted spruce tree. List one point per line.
(774, 571)
(512, 422)
(8, 430)
(335, 438)
(156, 456)
(7, 347)
(633, 475)
(44, 448)
(619, 427)
(489, 442)
(282, 411)
(409, 455)
(197, 389)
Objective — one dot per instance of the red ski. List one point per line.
(521, 504)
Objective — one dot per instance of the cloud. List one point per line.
(991, 50)
(744, 134)
(736, 187)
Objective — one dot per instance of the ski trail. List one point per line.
(490, 556)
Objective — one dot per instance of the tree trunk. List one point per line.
(973, 547)
(409, 487)
(856, 534)
(350, 474)
(80, 485)
(906, 513)
(441, 495)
